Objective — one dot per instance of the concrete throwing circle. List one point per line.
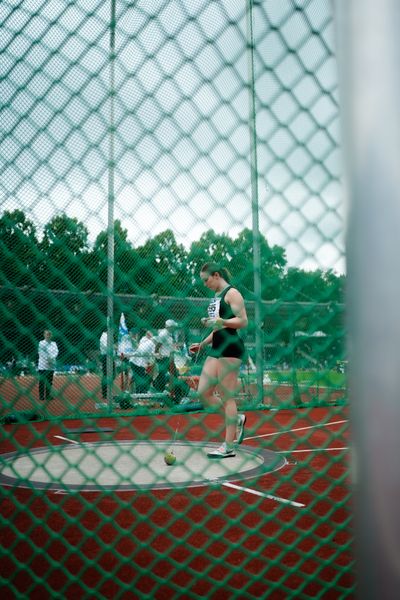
(131, 465)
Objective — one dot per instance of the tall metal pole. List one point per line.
(369, 67)
(110, 224)
(258, 316)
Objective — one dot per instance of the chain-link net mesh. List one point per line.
(131, 133)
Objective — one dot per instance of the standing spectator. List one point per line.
(48, 352)
(126, 347)
(165, 346)
(141, 363)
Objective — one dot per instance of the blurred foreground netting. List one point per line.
(130, 157)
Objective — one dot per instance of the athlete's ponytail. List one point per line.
(212, 268)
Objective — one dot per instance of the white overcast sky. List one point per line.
(182, 142)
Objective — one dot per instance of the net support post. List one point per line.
(369, 72)
(258, 311)
(110, 211)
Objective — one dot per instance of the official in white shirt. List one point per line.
(47, 353)
(165, 346)
(141, 363)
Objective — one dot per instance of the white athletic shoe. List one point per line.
(240, 428)
(223, 451)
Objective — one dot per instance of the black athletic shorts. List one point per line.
(227, 343)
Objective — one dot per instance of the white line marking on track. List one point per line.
(297, 429)
(257, 493)
(60, 437)
(311, 450)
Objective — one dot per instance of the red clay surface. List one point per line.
(77, 394)
(201, 542)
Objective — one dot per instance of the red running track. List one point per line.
(202, 542)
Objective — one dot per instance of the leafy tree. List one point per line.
(64, 243)
(317, 306)
(335, 285)
(126, 261)
(312, 286)
(272, 264)
(163, 266)
(305, 300)
(18, 249)
(237, 256)
(303, 286)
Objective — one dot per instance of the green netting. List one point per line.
(139, 141)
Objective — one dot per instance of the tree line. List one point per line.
(63, 259)
(59, 279)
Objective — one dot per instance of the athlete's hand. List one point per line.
(194, 348)
(214, 322)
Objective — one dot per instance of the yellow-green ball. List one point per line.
(169, 458)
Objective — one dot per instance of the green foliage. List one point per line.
(164, 270)
(306, 286)
(237, 256)
(63, 260)
(18, 249)
(67, 283)
(329, 378)
(63, 248)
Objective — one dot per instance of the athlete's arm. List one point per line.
(197, 346)
(235, 300)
